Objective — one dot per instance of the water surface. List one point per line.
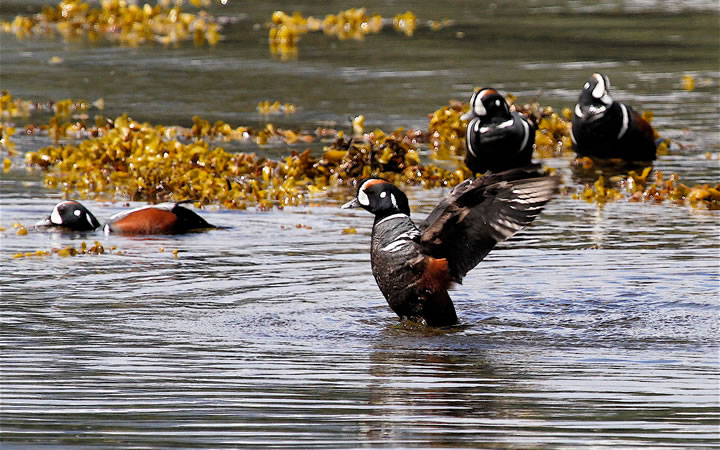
(596, 326)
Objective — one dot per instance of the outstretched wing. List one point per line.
(479, 213)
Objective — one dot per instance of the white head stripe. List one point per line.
(55, 217)
(599, 89)
(392, 199)
(89, 220)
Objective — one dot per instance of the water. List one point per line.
(596, 326)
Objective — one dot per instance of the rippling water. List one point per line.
(596, 326)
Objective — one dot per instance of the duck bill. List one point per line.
(354, 203)
(468, 115)
(44, 223)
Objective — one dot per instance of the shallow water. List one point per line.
(596, 326)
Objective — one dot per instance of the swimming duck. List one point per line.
(606, 129)
(497, 139)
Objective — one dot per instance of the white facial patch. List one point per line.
(497, 102)
(587, 85)
(478, 105)
(362, 196)
(392, 199)
(90, 220)
(383, 194)
(578, 111)
(55, 217)
(77, 213)
(599, 89)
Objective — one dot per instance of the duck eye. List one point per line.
(77, 212)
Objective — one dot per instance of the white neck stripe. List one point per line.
(526, 128)
(625, 121)
(391, 217)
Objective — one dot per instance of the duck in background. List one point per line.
(415, 265)
(605, 129)
(497, 139)
(165, 218)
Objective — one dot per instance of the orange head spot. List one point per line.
(373, 182)
(487, 92)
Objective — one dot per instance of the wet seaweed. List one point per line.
(126, 22)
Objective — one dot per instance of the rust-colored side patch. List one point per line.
(436, 276)
(146, 221)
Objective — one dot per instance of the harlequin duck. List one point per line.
(165, 218)
(415, 265)
(606, 129)
(496, 138)
(70, 215)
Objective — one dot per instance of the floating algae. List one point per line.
(354, 23)
(138, 161)
(119, 20)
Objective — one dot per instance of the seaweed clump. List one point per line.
(642, 187)
(142, 162)
(119, 20)
(354, 23)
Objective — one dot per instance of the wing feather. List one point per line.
(481, 212)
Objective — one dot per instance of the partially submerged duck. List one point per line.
(166, 218)
(497, 139)
(604, 128)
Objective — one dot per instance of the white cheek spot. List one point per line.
(497, 102)
(55, 217)
(363, 198)
(587, 85)
(77, 213)
(383, 194)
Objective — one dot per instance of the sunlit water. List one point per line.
(595, 326)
